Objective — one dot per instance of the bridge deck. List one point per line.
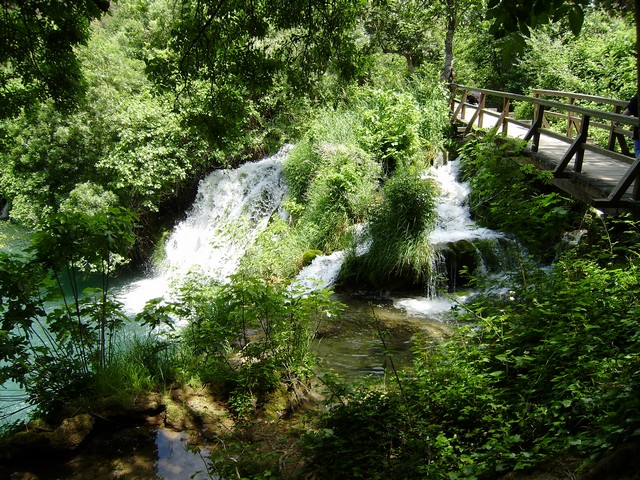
(599, 175)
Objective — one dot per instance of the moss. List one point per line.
(309, 255)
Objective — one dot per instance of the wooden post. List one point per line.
(452, 102)
(575, 149)
(502, 120)
(584, 135)
(481, 109)
(611, 143)
(463, 102)
(572, 101)
(534, 131)
(632, 174)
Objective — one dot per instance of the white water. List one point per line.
(234, 206)
(454, 221)
(231, 209)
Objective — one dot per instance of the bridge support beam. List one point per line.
(576, 149)
(534, 132)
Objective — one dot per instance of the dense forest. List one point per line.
(112, 113)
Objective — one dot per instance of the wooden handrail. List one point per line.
(614, 117)
(579, 119)
(580, 96)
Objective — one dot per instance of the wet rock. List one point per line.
(72, 432)
(196, 409)
(23, 443)
(23, 476)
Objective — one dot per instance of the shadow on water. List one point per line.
(123, 452)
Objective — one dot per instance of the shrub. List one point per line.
(510, 195)
(399, 232)
(55, 336)
(545, 371)
(246, 337)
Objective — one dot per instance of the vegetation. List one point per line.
(545, 368)
(105, 127)
(54, 350)
(512, 196)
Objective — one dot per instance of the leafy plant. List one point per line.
(247, 336)
(55, 336)
(509, 195)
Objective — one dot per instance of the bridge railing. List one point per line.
(579, 121)
(616, 134)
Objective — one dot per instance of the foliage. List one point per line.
(46, 154)
(400, 248)
(520, 16)
(122, 140)
(248, 336)
(390, 127)
(229, 55)
(55, 337)
(509, 195)
(404, 28)
(150, 154)
(138, 365)
(552, 57)
(546, 370)
(336, 170)
(37, 51)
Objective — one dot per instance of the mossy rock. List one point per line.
(309, 256)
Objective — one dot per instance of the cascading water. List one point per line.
(232, 207)
(454, 221)
(453, 225)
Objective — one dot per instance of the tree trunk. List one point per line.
(452, 22)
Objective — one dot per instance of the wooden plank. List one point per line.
(608, 153)
(605, 180)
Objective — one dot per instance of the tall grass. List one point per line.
(400, 247)
(139, 364)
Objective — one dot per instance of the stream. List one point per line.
(231, 209)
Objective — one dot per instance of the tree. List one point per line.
(519, 16)
(403, 28)
(453, 12)
(411, 28)
(37, 56)
(224, 56)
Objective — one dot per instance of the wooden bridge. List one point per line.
(583, 139)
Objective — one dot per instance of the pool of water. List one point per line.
(363, 342)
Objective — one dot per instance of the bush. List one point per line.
(547, 370)
(246, 337)
(390, 128)
(399, 231)
(56, 337)
(510, 195)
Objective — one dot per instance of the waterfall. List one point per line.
(453, 222)
(231, 209)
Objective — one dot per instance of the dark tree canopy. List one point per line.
(519, 16)
(37, 59)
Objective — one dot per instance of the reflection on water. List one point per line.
(178, 460)
(370, 333)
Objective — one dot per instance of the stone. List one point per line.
(72, 432)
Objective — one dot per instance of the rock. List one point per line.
(23, 476)
(72, 432)
(191, 409)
